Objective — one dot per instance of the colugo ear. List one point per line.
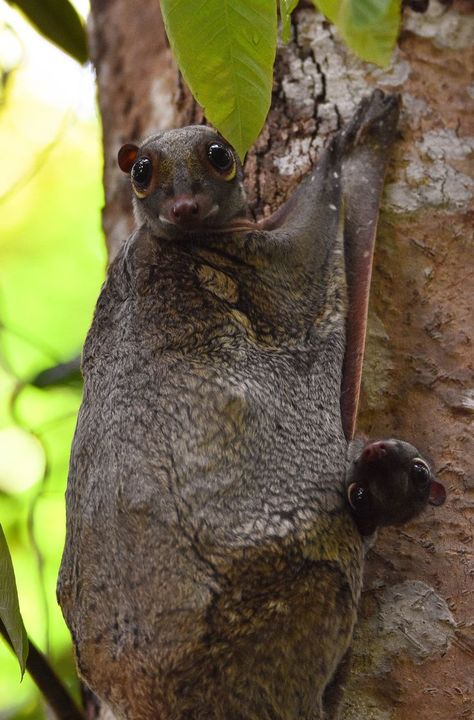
(437, 493)
(127, 156)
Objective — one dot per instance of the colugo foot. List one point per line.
(374, 122)
(389, 482)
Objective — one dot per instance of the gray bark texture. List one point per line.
(414, 644)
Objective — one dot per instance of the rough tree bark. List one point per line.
(414, 646)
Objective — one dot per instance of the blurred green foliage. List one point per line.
(52, 260)
(59, 21)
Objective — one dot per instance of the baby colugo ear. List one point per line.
(437, 493)
(389, 483)
(127, 156)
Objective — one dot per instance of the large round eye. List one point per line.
(142, 172)
(420, 474)
(222, 158)
(359, 497)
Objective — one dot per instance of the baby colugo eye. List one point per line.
(358, 497)
(420, 474)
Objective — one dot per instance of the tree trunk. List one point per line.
(414, 644)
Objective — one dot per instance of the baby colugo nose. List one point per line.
(374, 450)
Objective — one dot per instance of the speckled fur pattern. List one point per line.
(212, 568)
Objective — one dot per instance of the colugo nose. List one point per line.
(185, 208)
(374, 450)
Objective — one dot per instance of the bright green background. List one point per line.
(52, 261)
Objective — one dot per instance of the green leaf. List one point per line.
(58, 21)
(369, 27)
(226, 50)
(286, 8)
(9, 608)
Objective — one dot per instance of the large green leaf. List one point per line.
(286, 8)
(226, 50)
(59, 21)
(9, 608)
(369, 27)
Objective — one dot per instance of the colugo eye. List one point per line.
(358, 497)
(142, 172)
(222, 158)
(420, 473)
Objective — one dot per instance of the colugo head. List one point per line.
(185, 181)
